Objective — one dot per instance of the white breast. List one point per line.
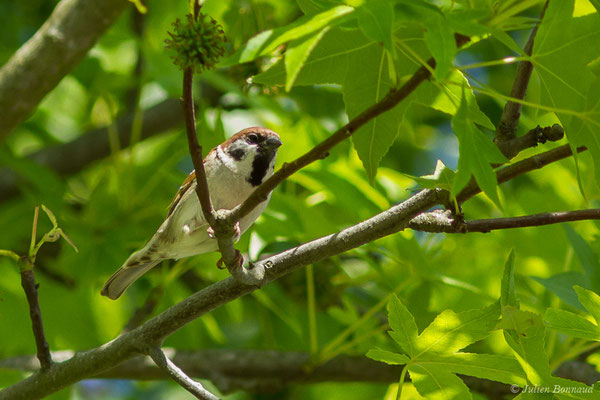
(186, 229)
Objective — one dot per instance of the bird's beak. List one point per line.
(273, 143)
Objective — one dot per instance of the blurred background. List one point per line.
(110, 196)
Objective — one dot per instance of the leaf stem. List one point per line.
(401, 382)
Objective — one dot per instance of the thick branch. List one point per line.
(267, 371)
(163, 362)
(507, 127)
(56, 48)
(72, 157)
(90, 363)
(31, 292)
(437, 221)
(320, 151)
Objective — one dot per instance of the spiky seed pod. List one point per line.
(198, 43)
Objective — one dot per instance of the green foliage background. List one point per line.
(322, 63)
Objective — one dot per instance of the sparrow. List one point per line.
(233, 171)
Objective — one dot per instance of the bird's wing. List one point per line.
(185, 186)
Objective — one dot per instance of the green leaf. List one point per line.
(449, 100)
(484, 366)
(450, 331)
(387, 357)
(584, 130)
(311, 7)
(590, 300)
(562, 286)
(329, 62)
(507, 40)
(524, 333)
(360, 65)
(442, 177)
(571, 86)
(477, 151)
(508, 296)
(585, 254)
(576, 325)
(375, 19)
(265, 42)
(436, 383)
(404, 329)
(571, 324)
(440, 42)
(296, 55)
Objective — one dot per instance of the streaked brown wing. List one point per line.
(182, 189)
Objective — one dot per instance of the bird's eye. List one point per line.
(253, 138)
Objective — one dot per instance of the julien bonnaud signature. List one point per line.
(552, 389)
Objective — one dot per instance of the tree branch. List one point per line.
(56, 48)
(163, 362)
(529, 164)
(268, 371)
(320, 151)
(92, 362)
(223, 229)
(31, 292)
(507, 127)
(442, 221)
(195, 148)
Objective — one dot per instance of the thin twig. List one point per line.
(532, 138)
(195, 148)
(195, 388)
(519, 168)
(507, 127)
(31, 292)
(437, 221)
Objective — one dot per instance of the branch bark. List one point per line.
(442, 221)
(31, 292)
(92, 362)
(529, 164)
(56, 48)
(268, 371)
(509, 121)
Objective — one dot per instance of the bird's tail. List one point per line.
(135, 266)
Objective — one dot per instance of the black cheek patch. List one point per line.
(237, 154)
(260, 165)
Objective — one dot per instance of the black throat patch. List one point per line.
(260, 165)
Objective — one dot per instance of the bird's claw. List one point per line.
(237, 232)
(237, 263)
